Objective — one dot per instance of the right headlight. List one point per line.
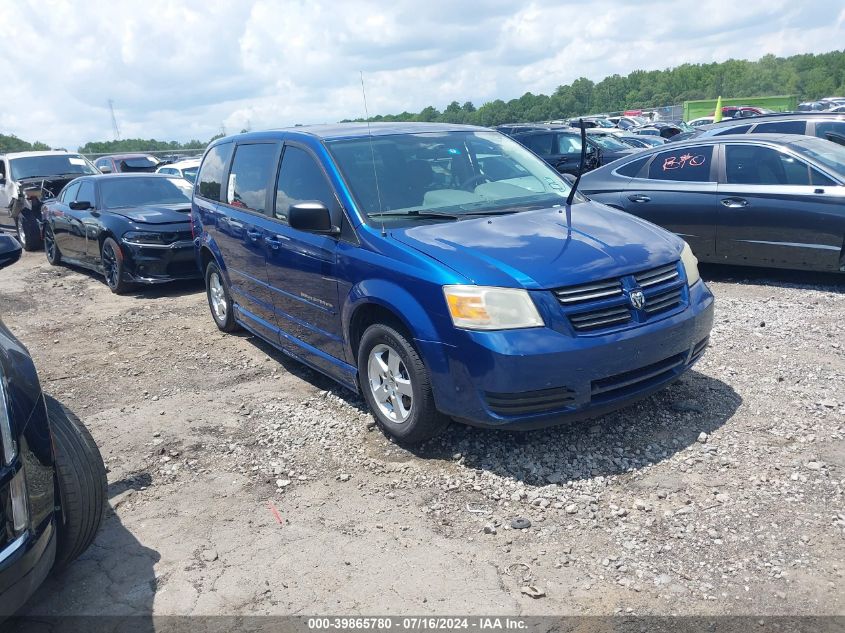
(690, 263)
(490, 308)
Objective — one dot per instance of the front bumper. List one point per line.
(153, 264)
(522, 379)
(24, 564)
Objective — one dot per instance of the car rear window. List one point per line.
(688, 164)
(633, 168)
(211, 173)
(781, 127)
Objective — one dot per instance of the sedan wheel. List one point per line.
(51, 249)
(112, 260)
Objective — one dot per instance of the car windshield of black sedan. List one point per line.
(608, 142)
(50, 165)
(826, 152)
(454, 173)
(137, 192)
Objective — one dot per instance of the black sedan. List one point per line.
(560, 147)
(52, 477)
(133, 228)
(758, 200)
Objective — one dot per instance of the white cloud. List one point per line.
(181, 70)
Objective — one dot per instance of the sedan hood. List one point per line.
(156, 214)
(545, 249)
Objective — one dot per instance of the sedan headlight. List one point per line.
(10, 448)
(143, 237)
(690, 262)
(486, 308)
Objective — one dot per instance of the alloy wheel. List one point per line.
(217, 294)
(110, 266)
(390, 383)
(21, 231)
(50, 243)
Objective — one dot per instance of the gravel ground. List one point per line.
(242, 482)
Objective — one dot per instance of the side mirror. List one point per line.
(10, 250)
(569, 178)
(80, 205)
(105, 169)
(312, 216)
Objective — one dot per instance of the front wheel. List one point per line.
(396, 387)
(82, 482)
(51, 249)
(113, 266)
(28, 234)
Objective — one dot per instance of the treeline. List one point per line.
(809, 76)
(137, 145)
(11, 143)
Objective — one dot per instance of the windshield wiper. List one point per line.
(415, 214)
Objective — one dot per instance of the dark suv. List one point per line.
(827, 125)
(560, 147)
(52, 477)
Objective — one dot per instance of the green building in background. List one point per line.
(706, 107)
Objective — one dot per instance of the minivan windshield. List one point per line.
(50, 165)
(136, 192)
(605, 141)
(421, 175)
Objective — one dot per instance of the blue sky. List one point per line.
(185, 69)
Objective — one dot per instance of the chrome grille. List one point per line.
(589, 292)
(665, 300)
(604, 305)
(593, 319)
(656, 276)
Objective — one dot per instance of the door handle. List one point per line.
(272, 243)
(639, 198)
(734, 203)
(253, 235)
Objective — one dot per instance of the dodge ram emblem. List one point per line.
(637, 299)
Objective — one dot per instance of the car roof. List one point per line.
(40, 153)
(337, 131)
(188, 162)
(778, 116)
(134, 174)
(131, 155)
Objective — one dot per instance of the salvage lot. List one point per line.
(243, 482)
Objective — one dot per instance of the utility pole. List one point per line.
(115, 129)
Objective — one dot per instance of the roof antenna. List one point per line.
(572, 191)
(372, 152)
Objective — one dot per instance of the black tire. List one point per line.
(28, 234)
(219, 299)
(423, 420)
(113, 266)
(82, 483)
(51, 249)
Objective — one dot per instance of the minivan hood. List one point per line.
(545, 249)
(156, 214)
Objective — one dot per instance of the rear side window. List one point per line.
(211, 175)
(754, 165)
(250, 176)
(300, 179)
(689, 164)
(568, 144)
(538, 143)
(781, 127)
(826, 128)
(739, 129)
(633, 168)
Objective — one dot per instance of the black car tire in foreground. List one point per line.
(51, 249)
(52, 475)
(28, 234)
(82, 482)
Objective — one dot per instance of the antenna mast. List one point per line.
(115, 129)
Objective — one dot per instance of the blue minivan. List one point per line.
(440, 271)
